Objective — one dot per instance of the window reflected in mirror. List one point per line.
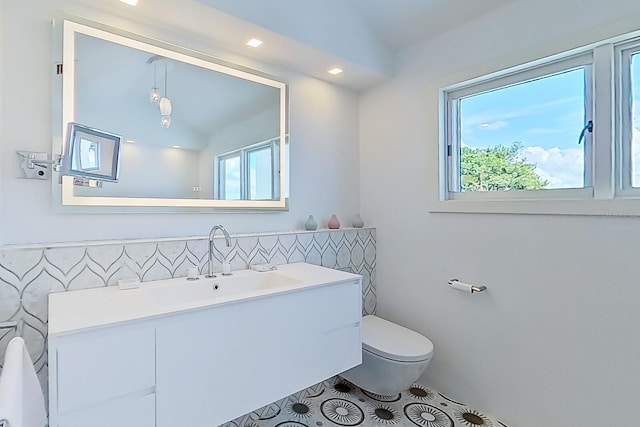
(250, 173)
(88, 156)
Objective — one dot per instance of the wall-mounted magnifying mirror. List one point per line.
(91, 153)
(195, 132)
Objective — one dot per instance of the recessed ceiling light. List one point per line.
(254, 42)
(130, 141)
(175, 146)
(335, 71)
(485, 125)
(129, 2)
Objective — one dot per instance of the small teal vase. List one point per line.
(357, 222)
(311, 224)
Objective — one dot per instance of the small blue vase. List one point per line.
(311, 224)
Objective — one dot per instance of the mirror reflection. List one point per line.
(192, 129)
(93, 154)
(87, 158)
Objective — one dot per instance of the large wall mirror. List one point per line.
(196, 132)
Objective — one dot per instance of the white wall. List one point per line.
(152, 171)
(554, 341)
(1, 110)
(258, 127)
(324, 138)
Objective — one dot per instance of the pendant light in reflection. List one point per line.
(155, 96)
(165, 104)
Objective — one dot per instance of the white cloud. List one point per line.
(493, 125)
(562, 167)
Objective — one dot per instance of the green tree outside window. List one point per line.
(498, 168)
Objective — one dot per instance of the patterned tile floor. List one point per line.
(336, 402)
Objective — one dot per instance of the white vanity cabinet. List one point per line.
(130, 359)
(103, 378)
(216, 365)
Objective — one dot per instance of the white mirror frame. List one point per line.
(68, 198)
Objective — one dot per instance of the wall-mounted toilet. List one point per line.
(393, 357)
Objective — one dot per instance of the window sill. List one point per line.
(588, 207)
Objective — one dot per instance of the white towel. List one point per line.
(21, 398)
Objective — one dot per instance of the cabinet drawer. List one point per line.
(130, 412)
(332, 307)
(98, 366)
(346, 344)
(274, 346)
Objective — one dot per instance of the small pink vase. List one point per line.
(334, 224)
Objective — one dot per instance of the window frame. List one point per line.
(610, 150)
(508, 78)
(221, 169)
(275, 156)
(624, 119)
(243, 153)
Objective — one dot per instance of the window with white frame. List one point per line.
(250, 173)
(229, 176)
(629, 117)
(521, 131)
(548, 129)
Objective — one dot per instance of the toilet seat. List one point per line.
(395, 342)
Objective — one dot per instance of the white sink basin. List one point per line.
(88, 308)
(221, 287)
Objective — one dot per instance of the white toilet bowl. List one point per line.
(393, 357)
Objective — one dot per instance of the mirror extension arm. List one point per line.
(35, 165)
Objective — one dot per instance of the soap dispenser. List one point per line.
(226, 268)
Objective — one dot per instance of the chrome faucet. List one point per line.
(227, 239)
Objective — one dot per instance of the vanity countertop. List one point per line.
(94, 308)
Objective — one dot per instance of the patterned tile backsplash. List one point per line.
(29, 273)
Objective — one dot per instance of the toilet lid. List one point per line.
(393, 341)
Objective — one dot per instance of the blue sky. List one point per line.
(546, 116)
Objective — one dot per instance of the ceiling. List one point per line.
(361, 36)
(402, 23)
